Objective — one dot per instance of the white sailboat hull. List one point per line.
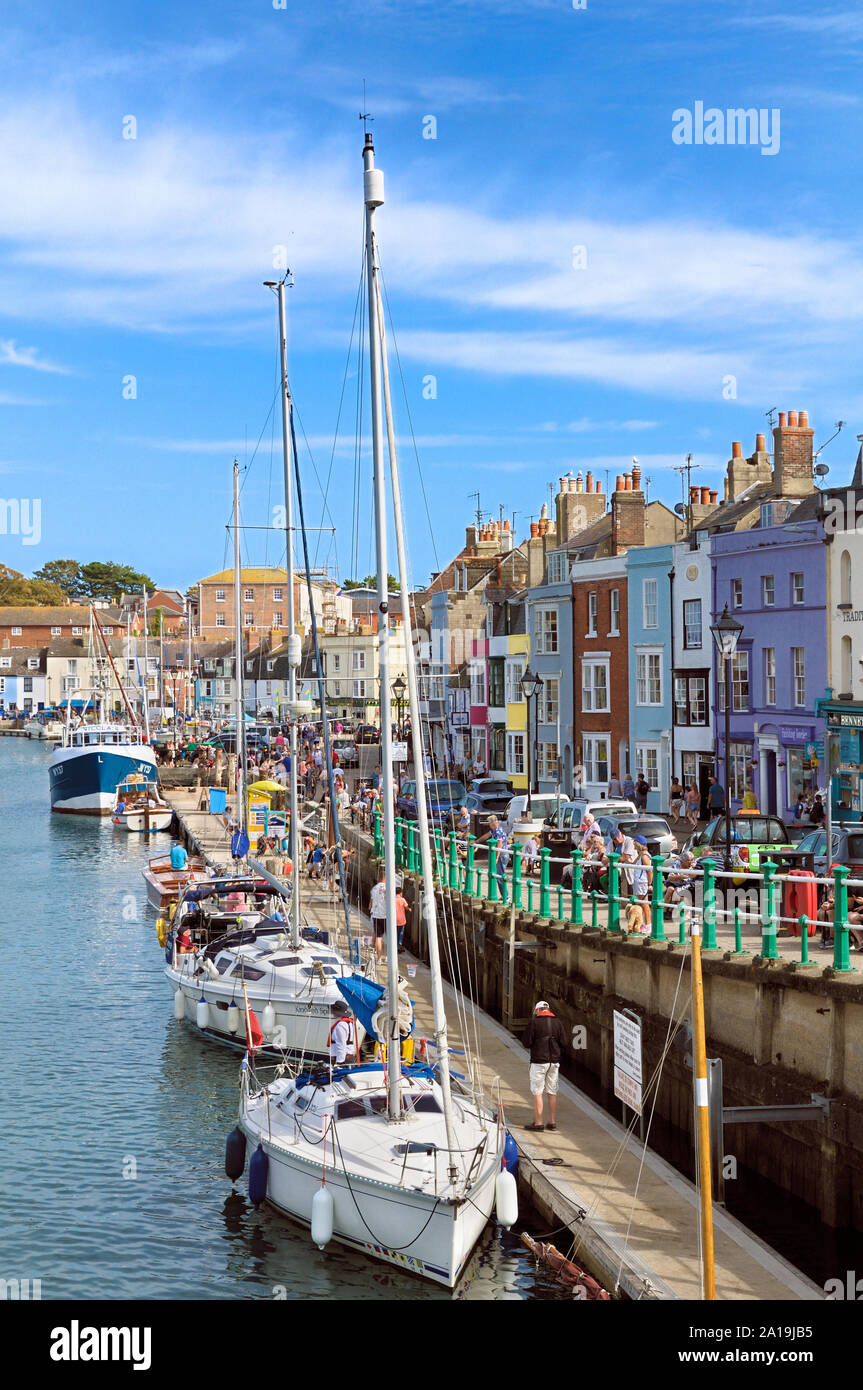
(412, 1231)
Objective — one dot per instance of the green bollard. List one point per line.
(577, 907)
(379, 836)
(517, 900)
(804, 939)
(594, 898)
(413, 853)
(493, 895)
(841, 954)
(397, 832)
(613, 892)
(657, 914)
(738, 936)
(769, 949)
(544, 883)
(453, 860)
(681, 925)
(469, 871)
(708, 909)
(438, 856)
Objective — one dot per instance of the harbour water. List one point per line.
(112, 1182)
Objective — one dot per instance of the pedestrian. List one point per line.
(715, 798)
(378, 912)
(629, 787)
(497, 832)
(692, 801)
(401, 917)
(642, 787)
(624, 845)
(614, 787)
(546, 1039)
(816, 815)
(675, 799)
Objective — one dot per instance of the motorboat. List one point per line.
(93, 759)
(165, 883)
(138, 806)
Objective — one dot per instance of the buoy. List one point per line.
(179, 1004)
(510, 1154)
(506, 1199)
(235, 1153)
(259, 1170)
(268, 1019)
(233, 1018)
(202, 1013)
(322, 1217)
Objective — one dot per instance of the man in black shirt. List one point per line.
(546, 1039)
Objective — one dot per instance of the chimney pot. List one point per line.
(627, 481)
(506, 526)
(705, 496)
(693, 494)
(636, 479)
(713, 498)
(760, 445)
(782, 420)
(804, 419)
(534, 529)
(598, 485)
(737, 450)
(588, 481)
(792, 419)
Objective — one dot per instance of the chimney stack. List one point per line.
(792, 455)
(627, 516)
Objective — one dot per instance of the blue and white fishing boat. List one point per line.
(91, 762)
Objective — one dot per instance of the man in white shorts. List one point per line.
(546, 1039)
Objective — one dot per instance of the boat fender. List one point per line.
(169, 948)
(322, 1217)
(202, 1013)
(161, 930)
(268, 1019)
(510, 1154)
(179, 1005)
(259, 1169)
(235, 1154)
(233, 1018)
(506, 1199)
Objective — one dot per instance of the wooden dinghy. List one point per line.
(165, 884)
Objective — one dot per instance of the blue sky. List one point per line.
(145, 257)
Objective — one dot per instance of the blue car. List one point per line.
(443, 799)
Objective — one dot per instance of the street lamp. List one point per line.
(399, 688)
(726, 635)
(531, 685)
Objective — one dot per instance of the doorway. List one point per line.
(768, 786)
(705, 772)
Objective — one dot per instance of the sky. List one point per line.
(571, 283)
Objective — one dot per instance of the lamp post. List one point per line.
(726, 635)
(399, 688)
(531, 685)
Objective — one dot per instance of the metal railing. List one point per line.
(504, 882)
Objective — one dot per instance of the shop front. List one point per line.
(844, 746)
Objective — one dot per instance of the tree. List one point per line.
(65, 573)
(104, 579)
(371, 582)
(19, 592)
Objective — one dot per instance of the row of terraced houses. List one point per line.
(610, 602)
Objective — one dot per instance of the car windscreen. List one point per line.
(446, 791)
(649, 828)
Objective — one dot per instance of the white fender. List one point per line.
(233, 1018)
(322, 1217)
(268, 1019)
(506, 1199)
(202, 1013)
(179, 1004)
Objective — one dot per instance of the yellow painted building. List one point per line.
(517, 658)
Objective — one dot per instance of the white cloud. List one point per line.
(13, 356)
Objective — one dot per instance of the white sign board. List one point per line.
(400, 752)
(627, 1060)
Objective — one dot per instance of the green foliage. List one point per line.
(18, 592)
(371, 582)
(104, 579)
(65, 573)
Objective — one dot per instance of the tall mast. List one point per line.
(146, 669)
(294, 646)
(429, 901)
(373, 189)
(238, 661)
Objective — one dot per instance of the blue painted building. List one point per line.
(649, 598)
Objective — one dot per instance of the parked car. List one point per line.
(846, 848)
(443, 799)
(655, 829)
(487, 797)
(760, 833)
(347, 751)
(557, 832)
(542, 805)
(368, 733)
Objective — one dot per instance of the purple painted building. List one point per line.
(774, 580)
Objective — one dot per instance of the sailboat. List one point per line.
(400, 1161)
(237, 950)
